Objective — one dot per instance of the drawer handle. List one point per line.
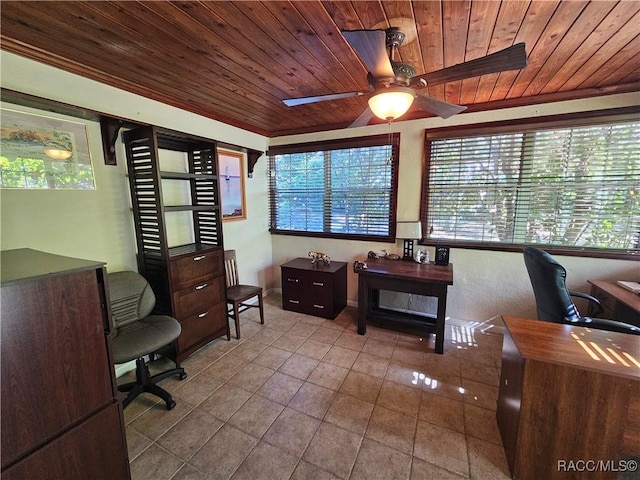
(198, 258)
(318, 306)
(318, 284)
(294, 280)
(200, 287)
(294, 301)
(203, 314)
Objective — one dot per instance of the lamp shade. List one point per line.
(392, 102)
(409, 230)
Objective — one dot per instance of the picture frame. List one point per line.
(232, 189)
(44, 153)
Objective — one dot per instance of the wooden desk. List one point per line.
(408, 277)
(619, 303)
(567, 394)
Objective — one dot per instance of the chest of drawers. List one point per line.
(315, 289)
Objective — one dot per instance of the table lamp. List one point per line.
(408, 231)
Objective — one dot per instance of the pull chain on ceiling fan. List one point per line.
(393, 83)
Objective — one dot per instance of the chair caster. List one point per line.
(182, 376)
(171, 404)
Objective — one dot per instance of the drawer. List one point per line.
(294, 281)
(196, 268)
(195, 300)
(199, 328)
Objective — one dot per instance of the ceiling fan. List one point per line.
(393, 84)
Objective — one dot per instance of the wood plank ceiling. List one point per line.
(236, 61)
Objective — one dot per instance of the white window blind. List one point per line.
(575, 187)
(343, 189)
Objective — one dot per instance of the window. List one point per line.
(343, 189)
(571, 187)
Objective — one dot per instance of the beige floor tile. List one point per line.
(398, 397)
(362, 386)
(328, 375)
(441, 365)
(309, 471)
(158, 420)
(341, 356)
(280, 388)
(136, 443)
(393, 429)
(371, 365)
(312, 320)
(333, 449)
(312, 400)
(421, 470)
(349, 413)
(442, 411)
(248, 350)
(223, 453)
(292, 431)
(481, 423)
(268, 462)
(382, 334)
(289, 342)
(313, 349)
(326, 334)
(155, 463)
(225, 368)
(442, 446)
(480, 372)
(378, 348)
(302, 330)
(251, 377)
(378, 462)
(256, 415)
(409, 354)
(450, 387)
(187, 436)
(225, 401)
(267, 336)
(480, 394)
(351, 340)
(405, 374)
(272, 358)
(487, 460)
(196, 389)
(298, 366)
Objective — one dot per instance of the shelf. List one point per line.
(187, 176)
(191, 208)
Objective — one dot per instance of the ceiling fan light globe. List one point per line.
(391, 103)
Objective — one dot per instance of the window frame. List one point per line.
(523, 125)
(392, 139)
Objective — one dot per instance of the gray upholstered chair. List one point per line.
(238, 294)
(138, 334)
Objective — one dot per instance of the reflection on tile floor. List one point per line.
(301, 397)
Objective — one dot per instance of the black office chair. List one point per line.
(138, 334)
(553, 299)
(237, 293)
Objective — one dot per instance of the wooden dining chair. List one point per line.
(238, 294)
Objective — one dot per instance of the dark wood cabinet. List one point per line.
(618, 303)
(315, 289)
(188, 279)
(60, 413)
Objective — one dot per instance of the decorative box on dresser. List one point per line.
(60, 415)
(188, 279)
(315, 289)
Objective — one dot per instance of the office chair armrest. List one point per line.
(609, 325)
(598, 306)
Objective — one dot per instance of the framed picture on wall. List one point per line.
(41, 152)
(231, 174)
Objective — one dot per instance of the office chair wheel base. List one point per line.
(170, 404)
(182, 376)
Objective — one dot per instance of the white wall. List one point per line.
(98, 224)
(486, 283)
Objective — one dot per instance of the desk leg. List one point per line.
(363, 304)
(440, 319)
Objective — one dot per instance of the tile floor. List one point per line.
(306, 398)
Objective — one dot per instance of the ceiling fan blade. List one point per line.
(511, 58)
(363, 119)
(370, 45)
(292, 102)
(442, 109)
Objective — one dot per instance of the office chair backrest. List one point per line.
(231, 268)
(548, 278)
(131, 297)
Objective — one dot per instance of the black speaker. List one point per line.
(442, 256)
